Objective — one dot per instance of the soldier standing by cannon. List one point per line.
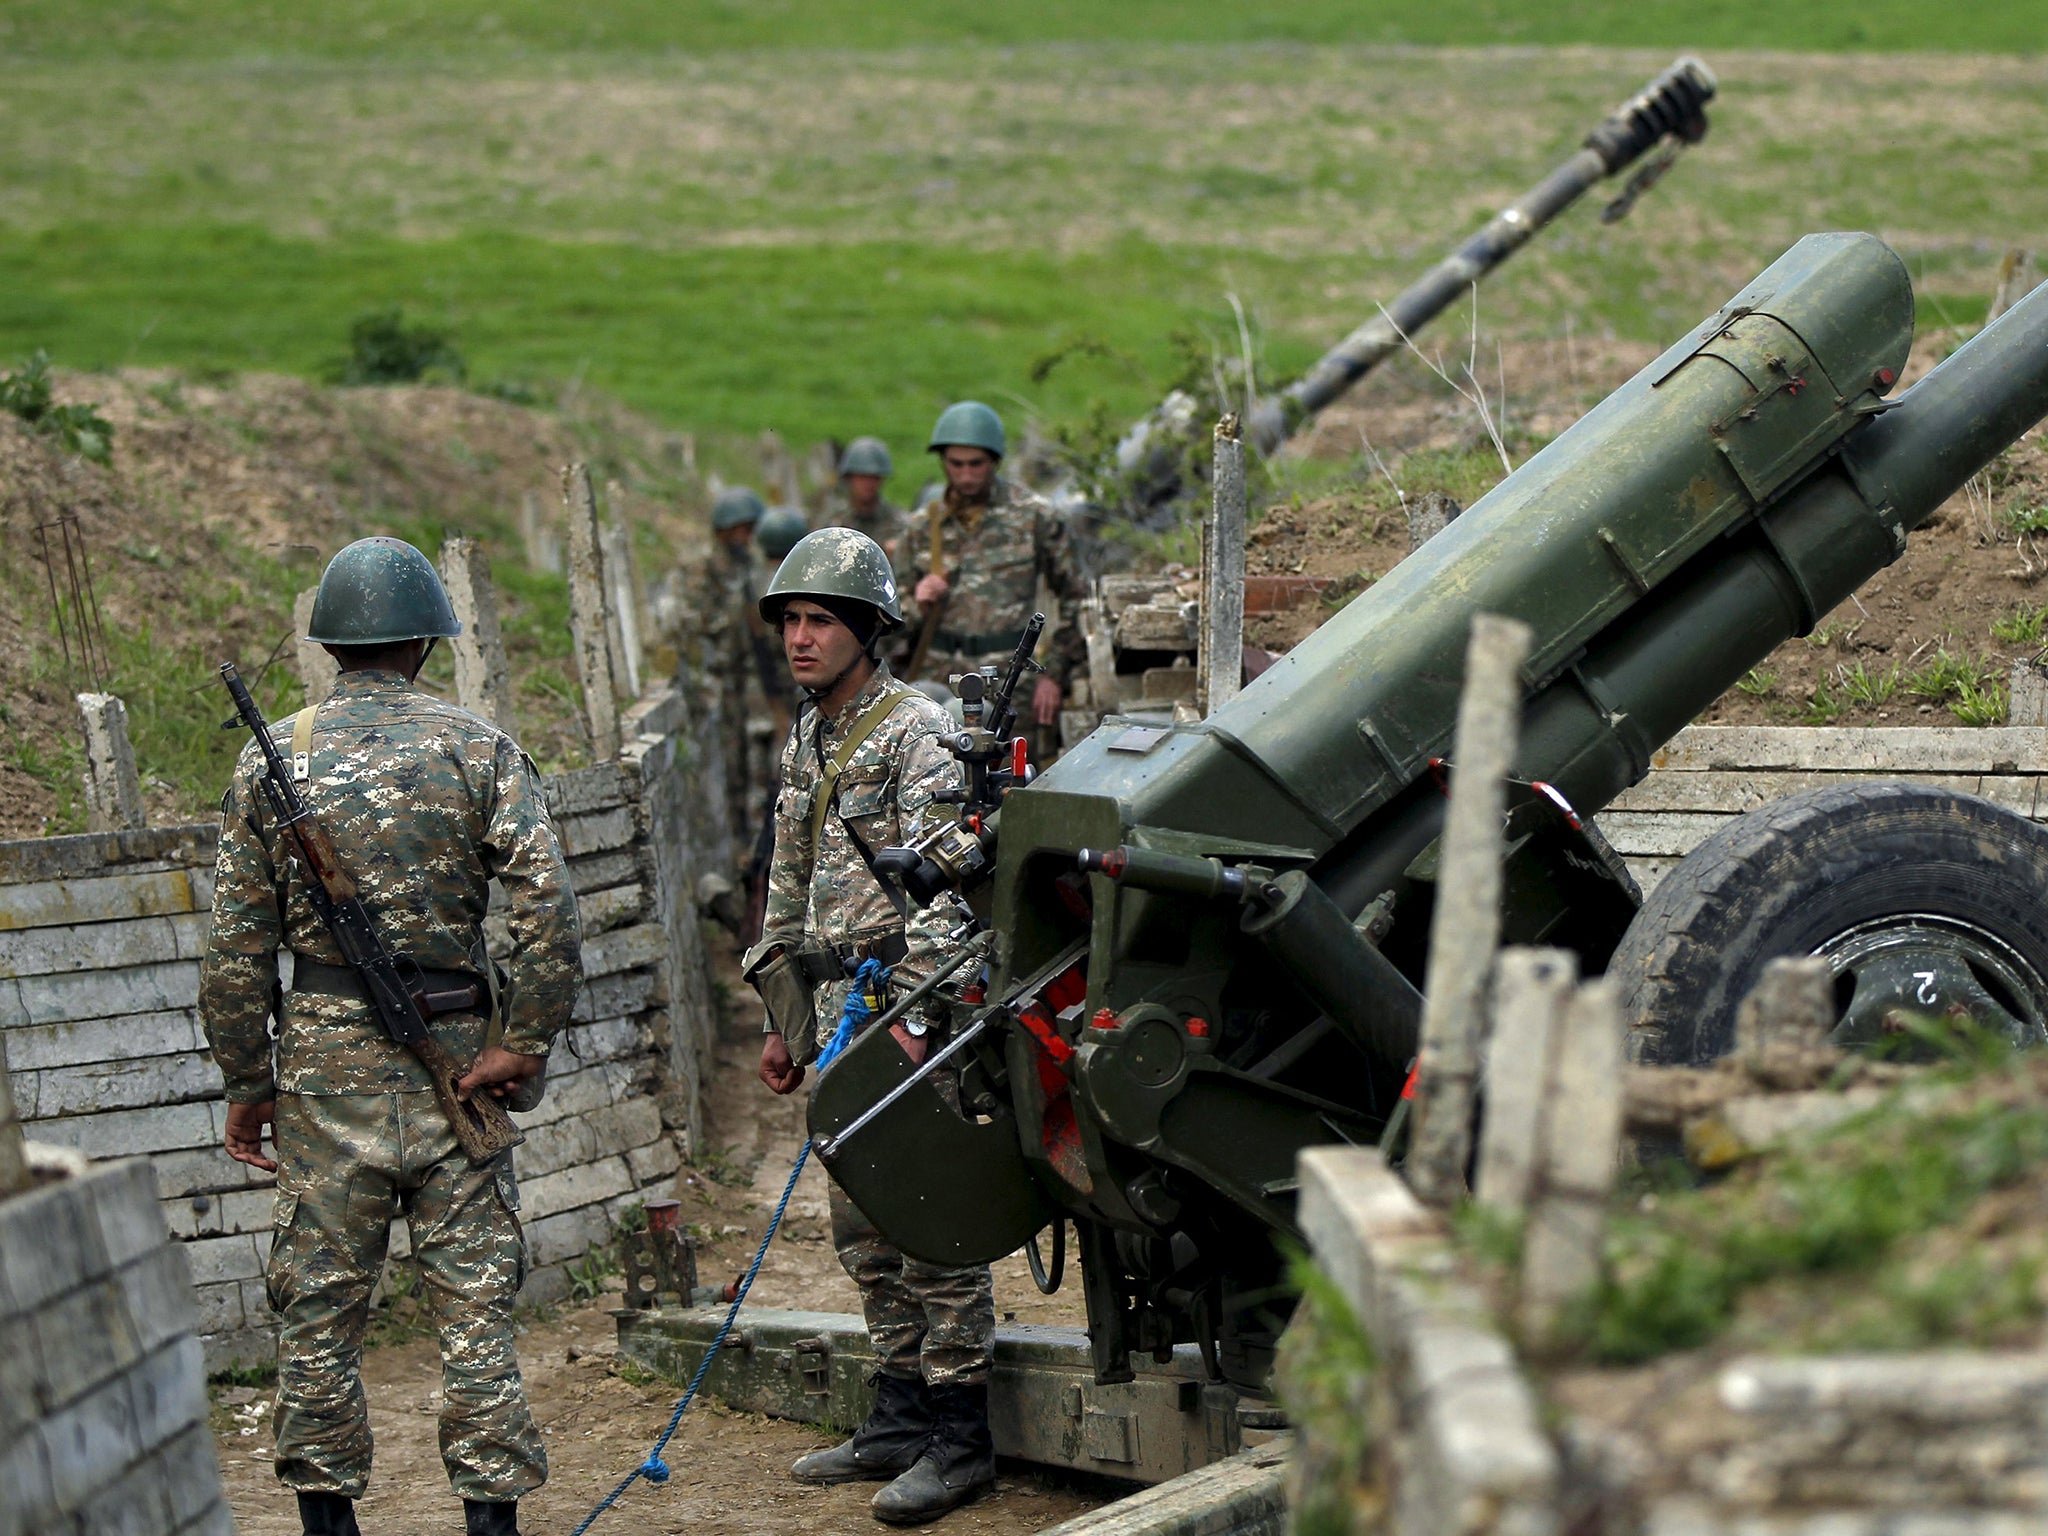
(860, 773)
(369, 858)
(972, 560)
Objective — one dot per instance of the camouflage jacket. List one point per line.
(737, 652)
(995, 556)
(884, 524)
(884, 793)
(427, 804)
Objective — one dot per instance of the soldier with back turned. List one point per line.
(427, 804)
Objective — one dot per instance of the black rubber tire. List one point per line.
(1788, 876)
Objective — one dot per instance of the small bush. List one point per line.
(383, 349)
(80, 428)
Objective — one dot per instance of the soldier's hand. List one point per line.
(499, 1070)
(930, 589)
(1045, 701)
(914, 1046)
(780, 1073)
(245, 1133)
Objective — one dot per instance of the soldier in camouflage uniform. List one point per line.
(427, 804)
(972, 561)
(858, 502)
(859, 773)
(738, 659)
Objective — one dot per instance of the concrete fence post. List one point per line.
(543, 549)
(113, 789)
(1466, 929)
(1581, 1148)
(1793, 1006)
(587, 615)
(13, 1154)
(483, 681)
(1223, 533)
(621, 588)
(1532, 992)
(2029, 694)
(317, 670)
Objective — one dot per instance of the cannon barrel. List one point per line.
(1671, 106)
(1720, 502)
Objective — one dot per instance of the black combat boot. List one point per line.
(889, 1442)
(959, 1464)
(488, 1517)
(327, 1514)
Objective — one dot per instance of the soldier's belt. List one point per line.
(951, 640)
(438, 991)
(821, 963)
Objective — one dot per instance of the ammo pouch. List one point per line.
(785, 989)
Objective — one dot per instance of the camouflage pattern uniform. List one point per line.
(884, 524)
(923, 1319)
(996, 554)
(426, 803)
(737, 658)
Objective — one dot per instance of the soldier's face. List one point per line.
(739, 536)
(863, 490)
(817, 646)
(968, 471)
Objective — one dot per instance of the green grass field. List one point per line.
(836, 242)
(361, 28)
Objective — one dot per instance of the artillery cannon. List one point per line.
(1669, 111)
(1209, 938)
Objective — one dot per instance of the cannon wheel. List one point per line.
(1928, 903)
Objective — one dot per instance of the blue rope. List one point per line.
(854, 1012)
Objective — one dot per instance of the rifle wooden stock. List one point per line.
(481, 1124)
(925, 635)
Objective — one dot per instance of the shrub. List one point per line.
(383, 349)
(80, 428)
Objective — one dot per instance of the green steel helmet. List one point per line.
(736, 505)
(968, 424)
(835, 563)
(780, 530)
(379, 592)
(866, 456)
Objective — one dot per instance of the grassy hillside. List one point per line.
(831, 243)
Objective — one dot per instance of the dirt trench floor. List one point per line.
(730, 1471)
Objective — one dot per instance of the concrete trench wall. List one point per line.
(103, 1408)
(100, 939)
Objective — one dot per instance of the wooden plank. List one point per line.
(77, 1042)
(98, 853)
(618, 996)
(1859, 749)
(104, 946)
(595, 832)
(1727, 790)
(601, 787)
(104, 898)
(1649, 870)
(99, 994)
(137, 1132)
(153, 1082)
(625, 949)
(1635, 833)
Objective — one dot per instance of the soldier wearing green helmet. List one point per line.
(430, 805)
(860, 772)
(779, 530)
(736, 656)
(971, 561)
(857, 501)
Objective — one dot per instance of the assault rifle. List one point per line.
(394, 987)
(956, 856)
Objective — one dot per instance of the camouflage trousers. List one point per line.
(922, 1320)
(346, 1164)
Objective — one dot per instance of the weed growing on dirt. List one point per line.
(2022, 625)
(1984, 703)
(1822, 706)
(1866, 688)
(1846, 1206)
(80, 428)
(2027, 519)
(1968, 686)
(1758, 682)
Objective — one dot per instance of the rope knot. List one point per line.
(654, 1469)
